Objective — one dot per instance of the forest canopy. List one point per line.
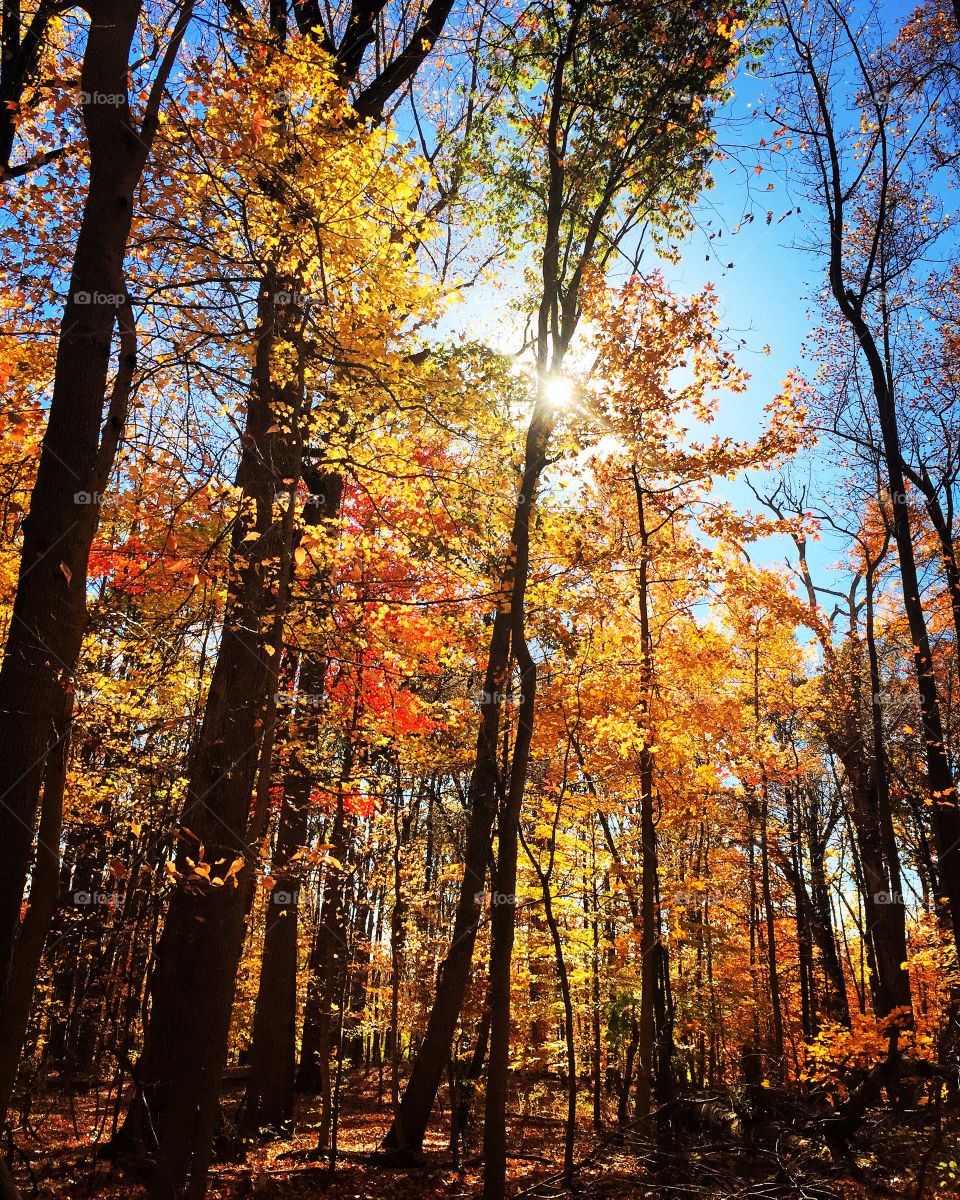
(480, 598)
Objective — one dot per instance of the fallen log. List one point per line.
(896, 1068)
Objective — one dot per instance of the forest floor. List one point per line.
(894, 1154)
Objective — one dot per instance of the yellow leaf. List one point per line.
(234, 870)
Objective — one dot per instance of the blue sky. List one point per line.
(763, 299)
(767, 298)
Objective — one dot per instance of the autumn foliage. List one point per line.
(426, 717)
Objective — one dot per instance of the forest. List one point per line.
(480, 599)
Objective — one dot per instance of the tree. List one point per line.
(77, 454)
(595, 161)
(353, 198)
(871, 211)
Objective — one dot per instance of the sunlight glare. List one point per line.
(558, 390)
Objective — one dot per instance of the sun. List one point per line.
(559, 390)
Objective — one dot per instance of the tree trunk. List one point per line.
(269, 1097)
(77, 456)
(776, 1007)
(563, 978)
(595, 1015)
(503, 918)
(401, 834)
(467, 1084)
(793, 870)
(889, 930)
(410, 1122)
(822, 922)
(192, 987)
(331, 969)
(28, 951)
(623, 1100)
(655, 1068)
(940, 783)
(20, 53)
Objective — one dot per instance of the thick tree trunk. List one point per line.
(269, 1097)
(308, 1069)
(192, 987)
(77, 456)
(28, 951)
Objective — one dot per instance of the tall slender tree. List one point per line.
(616, 132)
(863, 180)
